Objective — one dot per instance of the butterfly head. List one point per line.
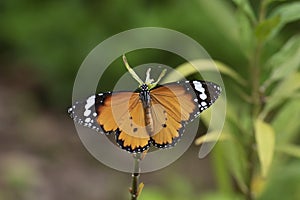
(144, 87)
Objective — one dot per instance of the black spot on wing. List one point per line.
(174, 140)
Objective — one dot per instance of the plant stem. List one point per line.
(135, 177)
(255, 65)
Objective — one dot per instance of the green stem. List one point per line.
(135, 177)
(255, 66)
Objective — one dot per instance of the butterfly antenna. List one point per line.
(148, 79)
(162, 74)
(133, 74)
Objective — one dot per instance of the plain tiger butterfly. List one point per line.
(153, 114)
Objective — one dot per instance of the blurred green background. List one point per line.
(42, 44)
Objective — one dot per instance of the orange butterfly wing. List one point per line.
(176, 106)
(123, 113)
(180, 103)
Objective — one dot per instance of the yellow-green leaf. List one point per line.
(212, 137)
(290, 149)
(265, 140)
(189, 68)
(140, 188)
(258, 184)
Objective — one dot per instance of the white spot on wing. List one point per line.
(89, 103)
(203, 103)
(202, 96)
(87, 113)
(197, 85)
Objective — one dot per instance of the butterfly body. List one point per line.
(148, 116)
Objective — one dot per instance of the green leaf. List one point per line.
(285, 61)
(246, 36)
(286, 89)
(235, 156)
(287, 13)
(246, 8)
(266, 2)
(286, 122)
(195, 66)
(285, 181)
(290, 149)
(265, 140)
(221, 173)
(265, 29)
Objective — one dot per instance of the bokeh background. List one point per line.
(42, 45)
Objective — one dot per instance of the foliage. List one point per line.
(262, 120)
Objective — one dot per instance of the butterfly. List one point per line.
(152, 115)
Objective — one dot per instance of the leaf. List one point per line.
(258, 184)
(212, 137)
(245, 7)
(282, 92)
(231, 148)
(270, 1)
(287, 13)
(265, 140)
(290, 149)
(286, 122)
(264, 30)
(285, 61)
(246, 36)
(140, 188)
(235, 156)
(221, 173)
(195, 66)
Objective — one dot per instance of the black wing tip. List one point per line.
(76, 113)
(70, 111)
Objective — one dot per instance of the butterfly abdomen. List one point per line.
(146, 101)
(149, 121)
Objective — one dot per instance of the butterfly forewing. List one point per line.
(86, 114)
